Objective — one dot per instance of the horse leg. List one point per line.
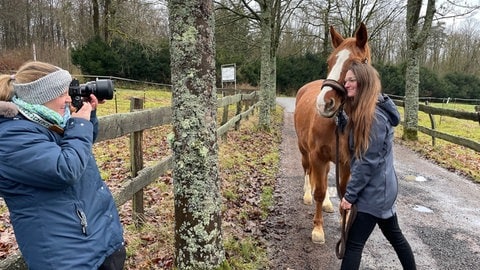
(308, 186)
(327, 204)
(307, 190)
(344, 177)
(319, 174)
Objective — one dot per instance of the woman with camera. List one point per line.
(62, 212)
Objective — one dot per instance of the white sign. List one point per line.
(228, 73)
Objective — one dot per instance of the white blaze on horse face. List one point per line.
(342, 57)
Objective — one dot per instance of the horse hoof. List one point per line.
(318, 237)
(328, 208)
(307, 200)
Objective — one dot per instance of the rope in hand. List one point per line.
(348, 216)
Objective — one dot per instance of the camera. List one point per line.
(102, 89)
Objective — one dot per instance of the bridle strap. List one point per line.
(335, 86)
(348, 216)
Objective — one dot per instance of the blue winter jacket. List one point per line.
(373, 184)
(63, 214)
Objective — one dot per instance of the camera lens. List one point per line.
(102, 89)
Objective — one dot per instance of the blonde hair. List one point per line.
(361, 107)
(28, 72)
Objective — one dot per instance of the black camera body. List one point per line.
(102, 89)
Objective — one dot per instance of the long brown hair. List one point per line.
(28, 72)
(361, 107)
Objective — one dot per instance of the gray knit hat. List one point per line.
(44, 89)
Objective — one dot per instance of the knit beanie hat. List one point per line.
(46, 88)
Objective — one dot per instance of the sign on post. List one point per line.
(229, 74)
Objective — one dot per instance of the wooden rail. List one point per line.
(118, 125)
(473, 116)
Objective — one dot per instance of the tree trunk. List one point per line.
(416, 36)
(106, 20)
(198, 241)
(273, 81)
(412, 81)
(266, 70)
(96, 17)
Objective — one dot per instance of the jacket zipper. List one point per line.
(83, 221)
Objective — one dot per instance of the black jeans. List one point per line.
(359, 233)
(115, 261)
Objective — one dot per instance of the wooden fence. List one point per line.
(473, 116)
(133, 123)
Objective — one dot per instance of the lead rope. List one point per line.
(346, 215)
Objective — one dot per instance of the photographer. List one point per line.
(62, 212)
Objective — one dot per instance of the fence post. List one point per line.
(239, 110)
(136, 164)
(477, 110)
(225, 115)
(432, 121)
(247, 104)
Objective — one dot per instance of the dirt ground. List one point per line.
(438, 212)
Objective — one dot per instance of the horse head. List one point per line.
(346, 50)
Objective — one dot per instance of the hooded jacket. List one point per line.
(373, 184)
(62, 212)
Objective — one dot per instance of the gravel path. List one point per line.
(438, 212)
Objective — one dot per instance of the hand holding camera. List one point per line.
(85, 110)
(94, 93)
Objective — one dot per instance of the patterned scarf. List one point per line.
(40, 114)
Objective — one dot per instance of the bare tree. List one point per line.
(198, 241)
(381, 17)
(308, 29)
(270, 15)
(460, 51)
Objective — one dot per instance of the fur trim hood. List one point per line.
(8, 109)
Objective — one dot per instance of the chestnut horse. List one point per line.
(316, 107)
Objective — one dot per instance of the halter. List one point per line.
(338, 87)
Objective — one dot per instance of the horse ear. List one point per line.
(337, 39)
(361, 35)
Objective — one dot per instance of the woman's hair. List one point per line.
(28, 72)
(361, 107)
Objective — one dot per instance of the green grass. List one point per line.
(461, 159)
(245, 254)
(121, 100)
(450, 125)
(266, 201)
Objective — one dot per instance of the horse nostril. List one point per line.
(330, 104)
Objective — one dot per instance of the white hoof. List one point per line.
(307, 198)
(318, 236)
(327, 206)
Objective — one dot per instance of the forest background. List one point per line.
(130, 39)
